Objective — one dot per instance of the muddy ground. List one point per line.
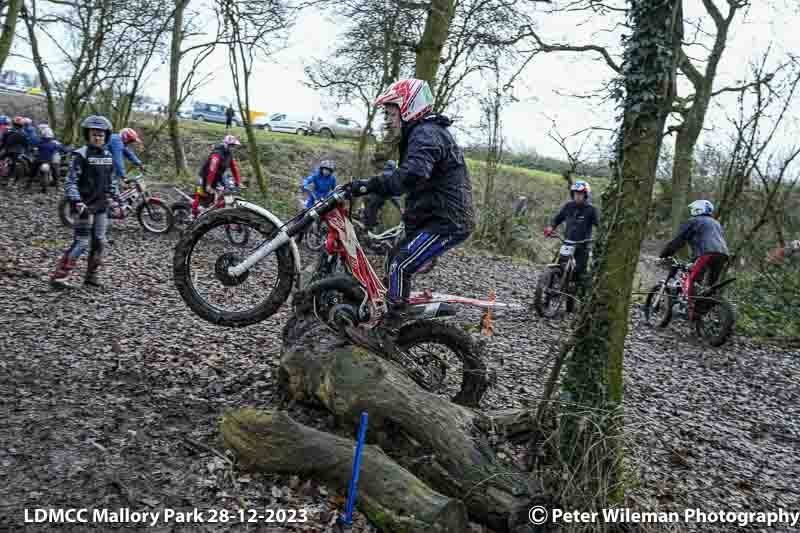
(111, 397)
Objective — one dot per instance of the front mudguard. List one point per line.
(242, 204)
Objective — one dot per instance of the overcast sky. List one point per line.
(542, 89)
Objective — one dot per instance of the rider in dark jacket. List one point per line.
(14, 143)
(708, 247)
(90, 183)
(432, 172)
(581, 216)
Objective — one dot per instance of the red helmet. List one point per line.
(129, 135)
(18, 122)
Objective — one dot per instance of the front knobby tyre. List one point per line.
(658, 307)
(547, 299)
(200, 264)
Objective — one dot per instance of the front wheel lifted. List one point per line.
(258, 299)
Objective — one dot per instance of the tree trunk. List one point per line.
(9, 26)
(429, 49)
(38, 62)
(392, 497)
(174, 79)
(439, 441)
(683, 165)
(69, 134)
(591, 422)
(362, 141)
(252, 150)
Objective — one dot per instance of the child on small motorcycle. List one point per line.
(47, 150)
(321, 183)
(213, 171)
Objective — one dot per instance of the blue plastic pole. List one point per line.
(353, 488)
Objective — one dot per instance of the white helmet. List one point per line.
(412, 96)
(701, 207)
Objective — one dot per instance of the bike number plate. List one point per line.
(567, 249)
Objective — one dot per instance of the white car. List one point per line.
(283, 122)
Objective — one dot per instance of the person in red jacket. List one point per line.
(213, 171)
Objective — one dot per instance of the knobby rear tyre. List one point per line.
(474, 378)
(727, 317)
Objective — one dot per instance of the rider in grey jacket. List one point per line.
(708, 247)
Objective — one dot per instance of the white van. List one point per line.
(285, 122)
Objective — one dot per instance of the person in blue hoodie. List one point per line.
(118, 146)
(30, 131)
(321, 183)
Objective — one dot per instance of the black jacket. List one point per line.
(434, 174)
(580, 220)
(91, 178)
(15, 141)
(704, 235)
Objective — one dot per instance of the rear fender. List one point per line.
(715, 288)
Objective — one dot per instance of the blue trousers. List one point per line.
(413, 252)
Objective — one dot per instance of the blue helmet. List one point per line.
(4, 120)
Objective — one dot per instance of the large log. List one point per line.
(437, 440)
(391, 497)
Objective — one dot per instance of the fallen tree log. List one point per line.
(391, 497)
(439, 441)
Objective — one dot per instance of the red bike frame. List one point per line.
(342, 241)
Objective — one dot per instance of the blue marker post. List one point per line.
(346, 521)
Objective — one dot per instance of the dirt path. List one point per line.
(111, 398)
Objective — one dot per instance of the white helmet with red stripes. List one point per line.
(412, 96)
(231, 140)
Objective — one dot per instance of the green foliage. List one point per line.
(767, 302)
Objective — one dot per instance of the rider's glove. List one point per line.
(78, 207)
(141, 167)
(361, 187)
(548, 231)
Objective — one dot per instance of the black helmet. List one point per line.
(96, 122)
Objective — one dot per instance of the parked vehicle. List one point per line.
(714, 316)
(212, 113)
(284, 122)
(340, 127)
